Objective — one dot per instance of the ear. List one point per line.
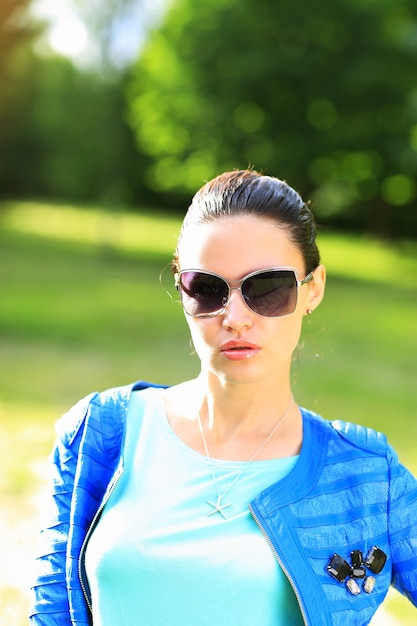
(316, 289)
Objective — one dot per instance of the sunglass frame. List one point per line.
(298, 283)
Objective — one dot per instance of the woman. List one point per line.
(219, 500)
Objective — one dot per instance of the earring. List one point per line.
(309, 311)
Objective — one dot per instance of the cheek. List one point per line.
(201, 334)
(287, 333)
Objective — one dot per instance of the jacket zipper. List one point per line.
(91, 528)
(281, 564)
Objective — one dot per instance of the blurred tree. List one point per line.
(322, 94)
(72, 140)
(14, 29)
(63, 130)
(15, 33)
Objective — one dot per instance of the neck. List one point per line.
(236, 418)
(237, 411)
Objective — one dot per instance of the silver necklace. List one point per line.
(218, 507)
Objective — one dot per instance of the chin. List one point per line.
(238, 375)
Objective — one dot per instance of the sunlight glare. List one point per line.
(68, 36)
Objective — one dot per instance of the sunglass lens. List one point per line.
(272, 293)
(202, 294)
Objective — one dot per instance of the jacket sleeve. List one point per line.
(403, 528)
(50, 606)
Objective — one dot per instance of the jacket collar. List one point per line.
(304, 476)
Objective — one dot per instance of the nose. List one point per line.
(237, 314)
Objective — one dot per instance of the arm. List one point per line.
(403, 528)
(50, 606)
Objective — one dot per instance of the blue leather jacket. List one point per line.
(347, 496)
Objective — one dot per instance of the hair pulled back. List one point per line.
(247, 192)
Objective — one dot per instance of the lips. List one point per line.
(238, 350)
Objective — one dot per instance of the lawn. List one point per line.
(82, 308)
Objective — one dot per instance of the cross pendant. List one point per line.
(218, 507)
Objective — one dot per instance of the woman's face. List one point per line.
(238, 345)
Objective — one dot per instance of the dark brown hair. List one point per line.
(247, 192)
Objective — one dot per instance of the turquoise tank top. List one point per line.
(161, 556)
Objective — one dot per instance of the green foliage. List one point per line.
(82, 309)
(67, 136)
(15, 34)
(323, 95)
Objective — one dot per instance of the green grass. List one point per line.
(82, 309)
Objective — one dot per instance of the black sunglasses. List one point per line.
(270, 292)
